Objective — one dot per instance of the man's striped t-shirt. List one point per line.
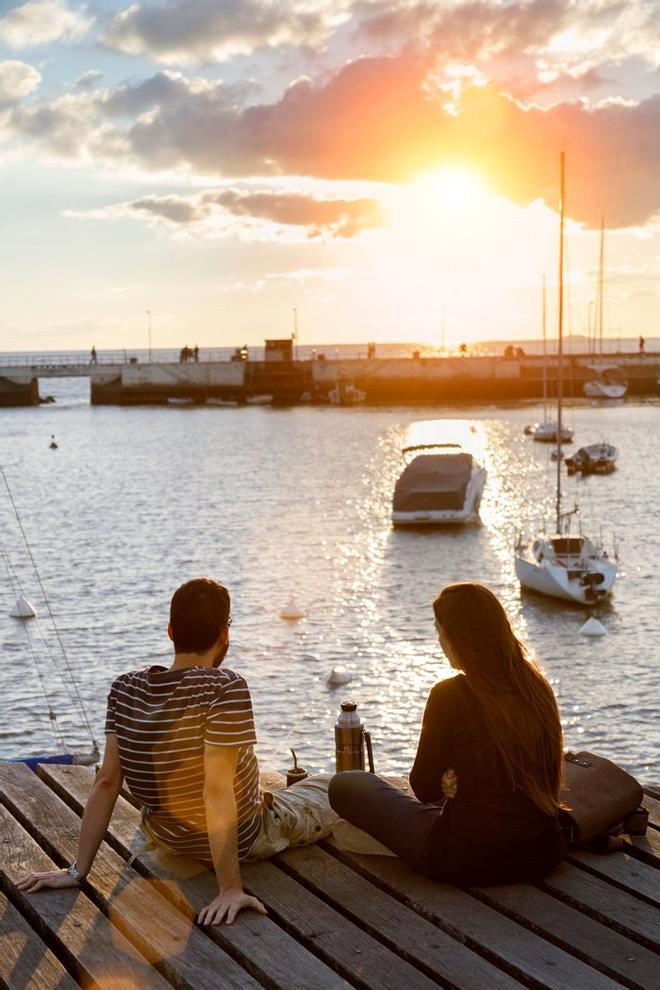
(162, 719)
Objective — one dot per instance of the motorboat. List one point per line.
(346, 394)
(442, 484)
(546, 432)
(608, 383)
(597, 458)
(565, 566)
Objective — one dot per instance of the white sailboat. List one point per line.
(562, 565)
(608, 382)
(548, 431)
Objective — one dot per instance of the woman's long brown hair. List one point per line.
(518, 704)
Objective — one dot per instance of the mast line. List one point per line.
(560, 341)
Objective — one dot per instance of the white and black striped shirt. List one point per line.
(163, 718)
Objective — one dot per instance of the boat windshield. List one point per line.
(430, 448)
(568, 546)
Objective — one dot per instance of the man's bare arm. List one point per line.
(222, 825)
(96, 816)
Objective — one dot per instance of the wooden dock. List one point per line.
(335, 920)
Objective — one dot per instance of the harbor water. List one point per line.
(296, 502)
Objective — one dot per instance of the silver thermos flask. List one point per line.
(351, 739)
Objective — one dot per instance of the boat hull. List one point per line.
(555, 581)
(468, 513)
(604, 390)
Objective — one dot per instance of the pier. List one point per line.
(335, 920)
(122, 380)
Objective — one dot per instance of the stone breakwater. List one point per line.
(409, 380)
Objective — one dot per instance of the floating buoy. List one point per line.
(291, 611)
(593, 627)
(23, 609)
(53, 443)
(340, 675)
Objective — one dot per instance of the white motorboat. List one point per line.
(346, 394)
(442, 484)
(562, 565)
(596, 458)
(569, 567)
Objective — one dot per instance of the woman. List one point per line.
(488, 768)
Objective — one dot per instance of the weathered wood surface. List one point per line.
(25, 959)
(335, 920)
(266, 950)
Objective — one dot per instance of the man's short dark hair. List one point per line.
(199, 611)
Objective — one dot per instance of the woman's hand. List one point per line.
(449, 783)
(43, 881)
(226, 906)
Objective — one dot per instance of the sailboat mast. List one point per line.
(601, 266)
(560, 337)
(545, 368)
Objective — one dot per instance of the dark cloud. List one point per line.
(318, 217)
(186, 31)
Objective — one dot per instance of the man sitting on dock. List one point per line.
(183, 738)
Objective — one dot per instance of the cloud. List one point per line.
(39, 22)
(183, 32)
(17, 80)
(88, 80)
(253, 214)
(384, 119)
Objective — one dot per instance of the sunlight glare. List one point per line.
(453, 189)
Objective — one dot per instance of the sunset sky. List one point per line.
(375, 164)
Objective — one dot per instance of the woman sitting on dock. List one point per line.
(488, 768)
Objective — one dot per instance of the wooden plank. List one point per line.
(609, 904)
(521, 952)
(262, 947)
(26, 962)
(645, 847)
(652, 802)
(623, 871)
(168, 939)
(589, 940)
(352, 952)
(405, 932)
(93, 950)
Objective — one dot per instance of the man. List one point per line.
(182, 737)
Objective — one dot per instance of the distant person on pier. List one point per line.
(93, 356)
(642, 342)
(183, 739)
(488, 768)
(195, 353)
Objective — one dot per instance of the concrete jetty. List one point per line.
(409, 380)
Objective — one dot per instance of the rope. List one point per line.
(52, 715)
(49, 610)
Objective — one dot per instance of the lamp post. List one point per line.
(149, 332)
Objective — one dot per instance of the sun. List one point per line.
(453, 189)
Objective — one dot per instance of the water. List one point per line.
(297, 501)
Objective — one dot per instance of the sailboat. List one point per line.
(548, 431)
(563, 565)
(609, 381)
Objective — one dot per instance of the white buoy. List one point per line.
(23, 609)
(593, 627)
(339, 675)
(291, 611)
